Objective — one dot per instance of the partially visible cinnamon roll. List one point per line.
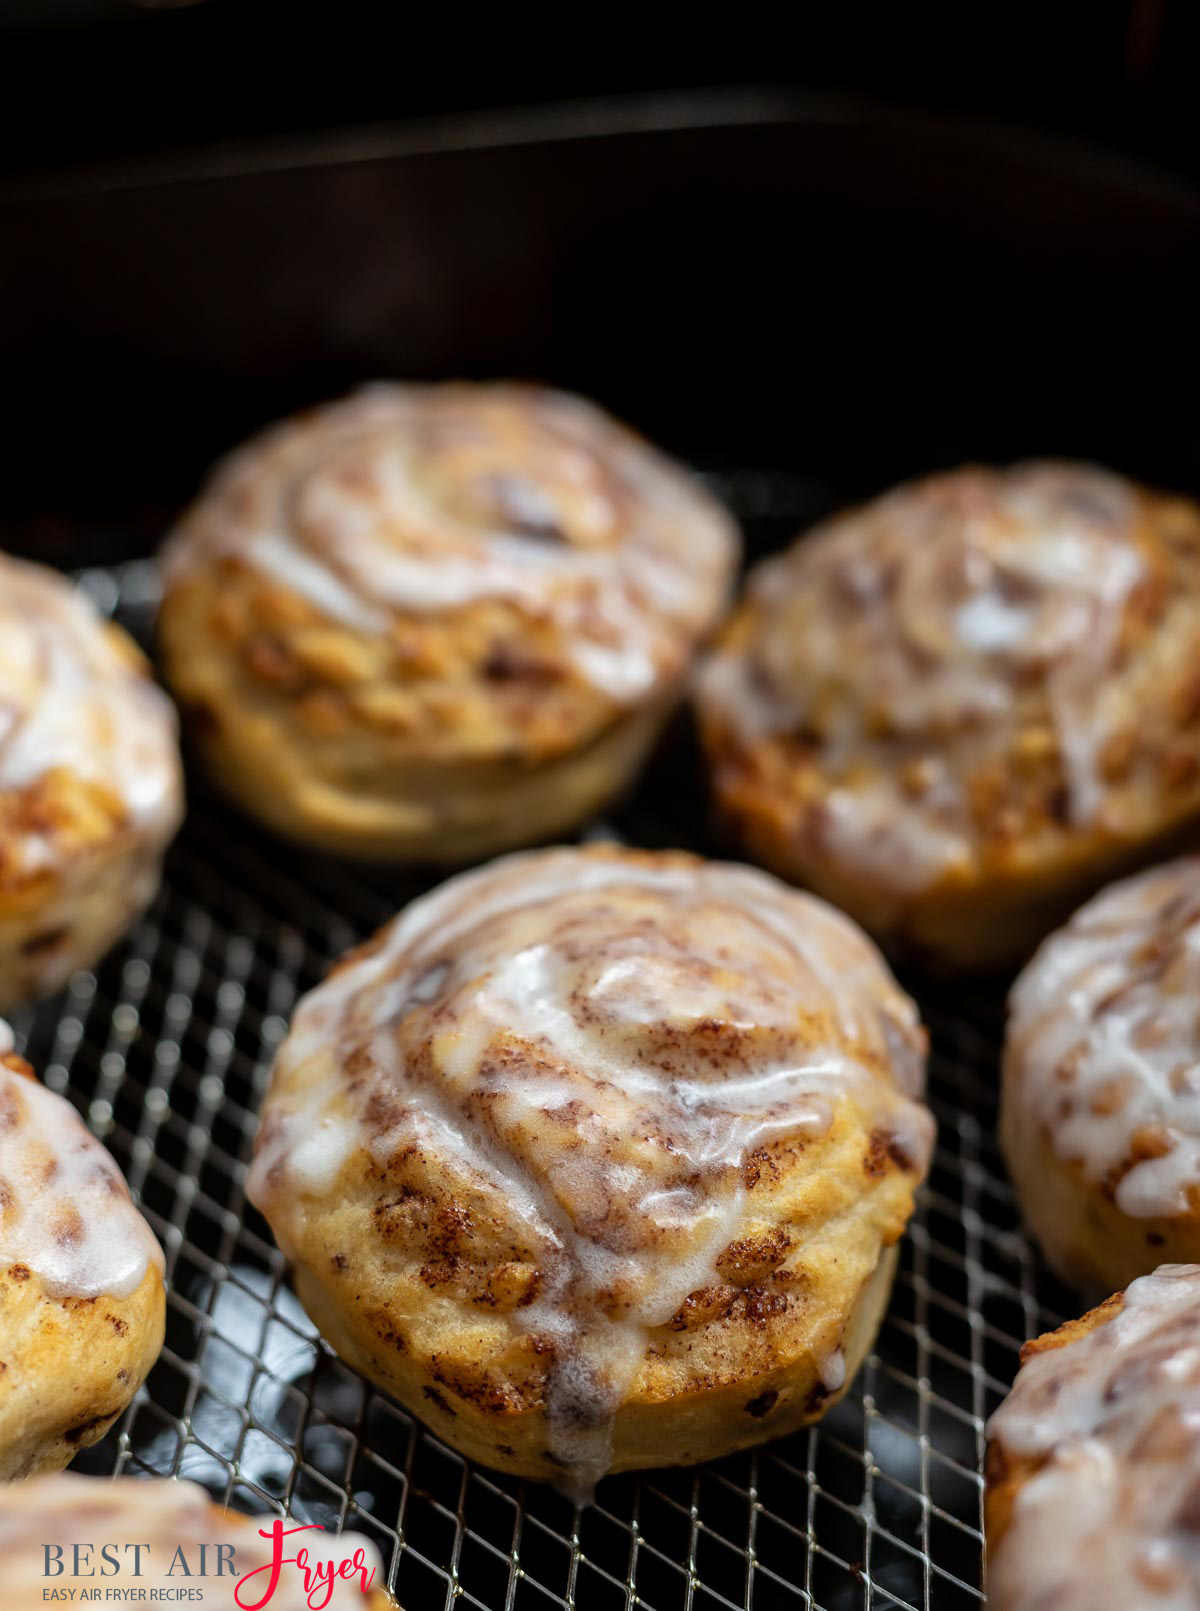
(91, 787)
(1100, 1114)
(432, 622)
(165, 1540)
(957, 710)
(81, 1281)
(1093, 1468)
(598, 1158)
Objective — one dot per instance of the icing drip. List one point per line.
(604, 1038)
(1111, 1520)
(426, 500)
(163, 1516)
(1104, 1039)
(898, 638)
(65, 1211)
(69, 699)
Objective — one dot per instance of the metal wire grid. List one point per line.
(166, 1049)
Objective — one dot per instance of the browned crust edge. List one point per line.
(1005, 1474)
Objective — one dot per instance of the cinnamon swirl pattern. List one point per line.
(81, 1290)
(1094, 1461)
(438, 621)
(1100, 1117)
(597, 1158)
(90, 781)
(958, 709)
(143, 1525)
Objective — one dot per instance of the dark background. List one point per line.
(87, 79)
(842, 243)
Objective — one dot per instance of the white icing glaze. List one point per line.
(1104, 1038)
(65, 1211)
(163, 1516)
(410, 499)
(1111, 1520)
(68, 699)
(900, 633)
(604, 1037)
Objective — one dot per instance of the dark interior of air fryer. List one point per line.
(807, 303)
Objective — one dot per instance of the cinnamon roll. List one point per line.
(164, 1540)
(81, 1280)
(90, 781)
(598, 1158)
(1100, 1114)
(1093, 1470)
(432, 622)
(957, 710)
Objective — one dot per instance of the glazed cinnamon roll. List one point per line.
(166, 1540)
(1100, 1116)
(1093, 1471)
(598, 1158)
(957, 710)
(90, 781)
(81, 1280)
(433, 622)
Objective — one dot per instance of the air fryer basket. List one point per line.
(760, 286)
(166, 1048)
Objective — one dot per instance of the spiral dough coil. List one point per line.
(596, 1157)
(956, 710)
(436, 621)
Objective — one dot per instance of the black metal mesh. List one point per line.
(166, 1050)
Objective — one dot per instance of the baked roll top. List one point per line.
(414, 503)
(982, 680)
(83, 729)
(81, 1280)
(593, 1101)
(380, 600)
(91, 787)
(66, 1215)
(1104, 1041)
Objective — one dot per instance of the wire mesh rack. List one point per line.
(166, 1049)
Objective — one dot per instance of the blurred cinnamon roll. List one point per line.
(1100, 1114)
(431, 622)
(957, 710)
(165, 1540)
(90, 781)
(1093, 1468)
(81, 1288)
(597, 1158)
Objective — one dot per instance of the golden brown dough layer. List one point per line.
(81, 1291)
(597, 1158)
(1093, 1466)
(91, 789)
(957, 710)
(433, 622)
